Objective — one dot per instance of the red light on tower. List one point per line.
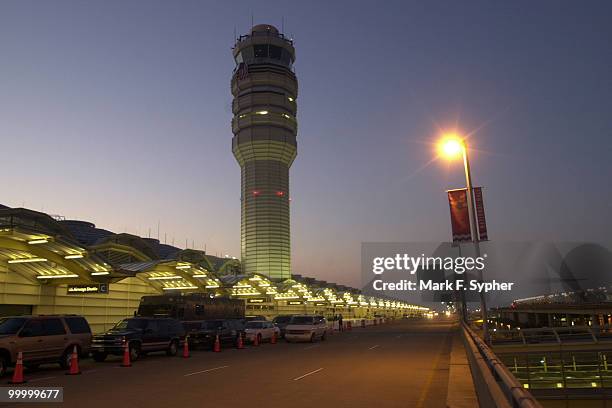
(256, 193)
(280, 193)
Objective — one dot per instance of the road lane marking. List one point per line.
(205, 371)
(42, 379)
(307, 374)
(373, 347)
(311, 347)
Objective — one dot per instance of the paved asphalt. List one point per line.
(401, 364)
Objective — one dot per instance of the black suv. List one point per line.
(143, 334)
(281, 322)
(203, 333)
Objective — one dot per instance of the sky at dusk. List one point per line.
(118, 112)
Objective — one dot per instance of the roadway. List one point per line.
(401, 364)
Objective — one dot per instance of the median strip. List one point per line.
(307, 374)
(205, 371)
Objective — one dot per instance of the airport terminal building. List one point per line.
(51, 266)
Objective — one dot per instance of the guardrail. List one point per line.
(495, 385)
(557, 335)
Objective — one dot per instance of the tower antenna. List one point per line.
(283, 25)
(252, 18)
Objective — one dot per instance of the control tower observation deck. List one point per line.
(264, 144)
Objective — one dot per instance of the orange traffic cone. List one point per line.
(18, 372)
(186, 347)
(126, 355)
(217, 347)
(74, 363)
(240, 342)
(256, 340)
(273, 339)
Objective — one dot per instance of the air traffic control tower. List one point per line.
(264, 144)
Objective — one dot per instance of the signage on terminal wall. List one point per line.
(295, 303)
(94, 288)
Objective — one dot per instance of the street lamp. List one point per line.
(452, 147)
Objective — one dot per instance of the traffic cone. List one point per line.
(273, 339)
(240, 342)
(217, 347)
(126, 355)
(74, 363)
(256, 340)
(186, 347)
(18, 372)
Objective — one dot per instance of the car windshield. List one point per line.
(11, 325)
(215, 324)
(301, 320)
(131, 324)
(254, 325)
(282, 319)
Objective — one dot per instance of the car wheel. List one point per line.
(3, 365)
(312, 338)
(66, 358)
(134, 352)
(99, 357)
(172, 349)
(323, 336)
(259, 338)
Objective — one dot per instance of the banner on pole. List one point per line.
(480, 215)
(460, 217)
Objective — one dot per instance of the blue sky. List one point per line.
(118, 112)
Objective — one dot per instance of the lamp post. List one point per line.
(451, 147)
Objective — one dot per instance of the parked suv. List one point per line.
(143, 334)
(203, 333)
(306, 328)
(42, 339)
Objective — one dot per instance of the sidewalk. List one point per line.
(461, 392)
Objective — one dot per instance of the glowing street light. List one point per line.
(452, 146)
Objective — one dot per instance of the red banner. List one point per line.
(480, 215)
(460, 217)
